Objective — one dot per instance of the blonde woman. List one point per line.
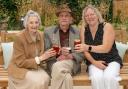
(102, 58)
(25, 70)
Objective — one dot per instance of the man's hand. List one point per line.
(65, 51)
(65, 57)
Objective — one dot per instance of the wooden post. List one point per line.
(3, 36)
(3, 29)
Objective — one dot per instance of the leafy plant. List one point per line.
(74, 5)
(9, 9)
(78, 5)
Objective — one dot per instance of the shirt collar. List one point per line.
(70, 29)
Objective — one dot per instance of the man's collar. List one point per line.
(70, 29)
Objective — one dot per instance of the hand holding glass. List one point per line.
(56, 48)
(77, 41)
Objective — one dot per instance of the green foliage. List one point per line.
(41, 28)
(110, 13)
(117, 19)
(8, 10)
(77, 10)
(78, 5)
(74, 5)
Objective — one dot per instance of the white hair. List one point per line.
(29, 14)
(97, 12)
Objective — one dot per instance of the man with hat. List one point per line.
(67, 61)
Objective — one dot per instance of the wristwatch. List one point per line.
(89, 48)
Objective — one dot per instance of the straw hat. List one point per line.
(63, 8)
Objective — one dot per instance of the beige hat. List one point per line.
(63, 8)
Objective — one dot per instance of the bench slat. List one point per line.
(82, 80)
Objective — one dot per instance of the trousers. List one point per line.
(61, 75)
(105, 79)
(34, 79)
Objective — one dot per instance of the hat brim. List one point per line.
(57, 13)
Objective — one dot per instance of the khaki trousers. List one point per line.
(61, 75)
(34, 79)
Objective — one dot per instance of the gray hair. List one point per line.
(97, 12)
(29, 14)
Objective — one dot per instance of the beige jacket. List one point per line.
(24, 53)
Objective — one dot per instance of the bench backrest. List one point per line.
(121, 36)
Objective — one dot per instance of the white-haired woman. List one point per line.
(26, 70)
(103, 60)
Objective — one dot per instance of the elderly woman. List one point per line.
(25, 70)
(99, 47)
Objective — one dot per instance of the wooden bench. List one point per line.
(3, 73)
(81, 79)
(5, 37)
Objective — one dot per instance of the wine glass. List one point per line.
(77, 41)
(55, 44)
(66, 45)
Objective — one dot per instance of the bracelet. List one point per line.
(37, 60)
(89, 48)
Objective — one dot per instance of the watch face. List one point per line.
(90, 48)
(69, 48)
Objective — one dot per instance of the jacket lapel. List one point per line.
(56, 36)
(71, 37)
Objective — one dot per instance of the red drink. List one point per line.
(56, 48)
(77, 41)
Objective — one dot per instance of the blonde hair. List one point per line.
(97, 12)
(29, 14)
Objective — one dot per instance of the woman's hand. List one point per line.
(81, 47)
(100, 64)
(47, 54)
